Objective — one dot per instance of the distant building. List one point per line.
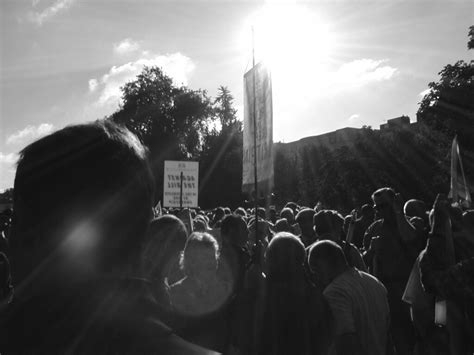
(398, 122)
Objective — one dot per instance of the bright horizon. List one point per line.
(334, 65)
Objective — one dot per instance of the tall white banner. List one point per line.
(261, 96)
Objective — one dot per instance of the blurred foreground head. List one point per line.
(83, 200)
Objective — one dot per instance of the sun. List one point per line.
(299, 48)
(289, 38)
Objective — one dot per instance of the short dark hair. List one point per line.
(388, 191)
(97, 172)
(305, 215)
(327, 251)
(328, 221)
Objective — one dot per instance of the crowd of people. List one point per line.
(89, 266)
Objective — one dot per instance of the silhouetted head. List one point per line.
(383, 203)
(326, 261)
(416, 208)
(282, 225)
(328, 224)
(240, 211)
(234, 230)
(305, 220)
(284, 257)
(200, 256)
(293, 206)
(83, 200)
(288, 214)
(165, 240)
(367, 212)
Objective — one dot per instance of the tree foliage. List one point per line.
(171, 121)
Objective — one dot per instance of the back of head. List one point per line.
(305, 216)
(328, 222)
(166, 238)
(282, 225)
(284, 257)
(327, 259)
(83, 192)
(384, 192)
(200, 254)
(234, 230)
(240, 211)
(293, 206)
(288, 214)
(367, 211)
(415, 208)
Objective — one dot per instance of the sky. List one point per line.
(335, 64)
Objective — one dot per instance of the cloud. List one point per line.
(126, 46)
(425, 92)
(93, 83)
(40, 17)
(363, 71)
(8, 158)
(176, 66)
(354, 117)
(7, 169)
(29, 134)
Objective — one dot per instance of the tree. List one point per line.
(221, 157)
(170, 121)
(225, 111)
(449, 107)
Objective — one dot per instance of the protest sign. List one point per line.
(181, 183)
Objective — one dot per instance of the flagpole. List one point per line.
(255, 141)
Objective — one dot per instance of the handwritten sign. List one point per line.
(177, 174)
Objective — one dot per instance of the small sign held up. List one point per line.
(181, 183)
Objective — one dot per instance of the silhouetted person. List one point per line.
(200, 298)
(165, 240)
(358, 302)
(328, 226)
(393, 251)
(304, 218)
(296, 319)
(361, 225)
(83, 199)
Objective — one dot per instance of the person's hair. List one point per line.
(292, 205)
(94, 174)
(305, 216)
(196, 242)
(231, 227)
(240, 211)
(415, 208)
(261, 212)
(284, 256)
(282, 225)
(288, 214)
(387, 191)
(328, 252)
(367, 211)
(328, 221)
(165, 240)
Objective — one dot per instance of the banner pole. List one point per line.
(257, 239)
(181, 191)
